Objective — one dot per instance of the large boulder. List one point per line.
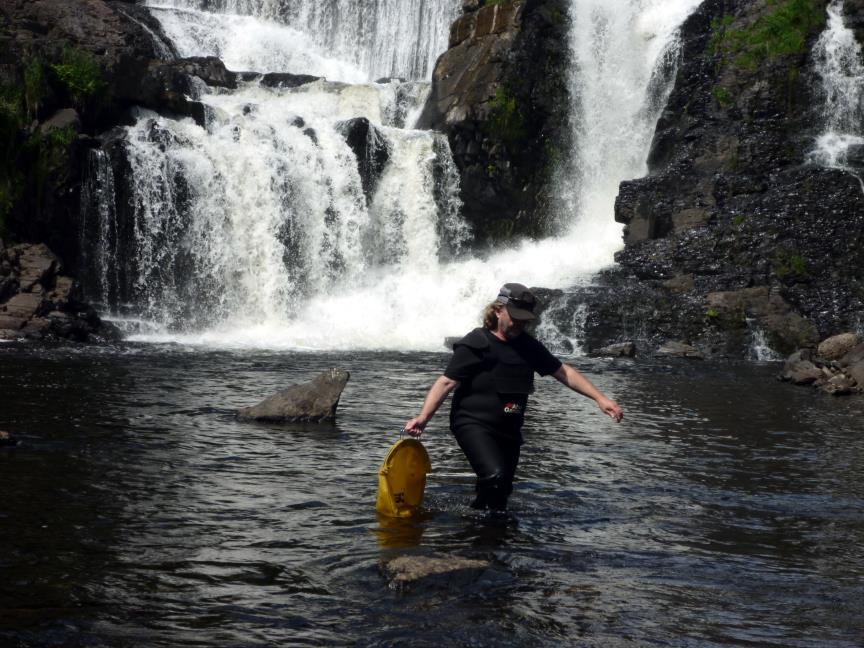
(314, 401)
(837, 346)
(497, 93)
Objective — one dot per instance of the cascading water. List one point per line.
(837, 56)
(344, 40)
(256, 230)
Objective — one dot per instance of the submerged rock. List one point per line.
(314, 401)
(443, 570)
(620, 350)
(679, 350)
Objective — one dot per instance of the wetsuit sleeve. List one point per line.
(542, 360)
(465, 363)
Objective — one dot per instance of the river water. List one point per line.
(726, 510)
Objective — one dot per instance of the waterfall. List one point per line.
(100, 257)
(344, 40)
(623, 60)
(838, 65)
(263, 228)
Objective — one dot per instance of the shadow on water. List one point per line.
(725, 510)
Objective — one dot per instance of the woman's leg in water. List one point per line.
(494, 459)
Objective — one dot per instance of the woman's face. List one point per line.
(507, 326)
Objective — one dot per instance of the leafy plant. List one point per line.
(783, 30)
(80, 75)
(722, 95)
(506, 121)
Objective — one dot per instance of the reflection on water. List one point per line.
(725, 510)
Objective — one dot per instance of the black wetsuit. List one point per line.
(495, 379)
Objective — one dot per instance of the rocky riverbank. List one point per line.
(38, 301)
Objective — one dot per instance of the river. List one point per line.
(726, 510)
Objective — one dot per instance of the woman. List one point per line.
(492, 370)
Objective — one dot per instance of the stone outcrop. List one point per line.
(498, 94)
(835, 367)
(315, 401)
(733, 235)
(38, 302)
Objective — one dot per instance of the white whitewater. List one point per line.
(839, 66)
(334, 38)
(269, 241)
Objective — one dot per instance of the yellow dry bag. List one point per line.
(402, 479)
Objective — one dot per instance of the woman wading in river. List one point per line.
(492, 370)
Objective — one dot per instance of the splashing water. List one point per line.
(255, 231)
(344, 40)
(838, 64)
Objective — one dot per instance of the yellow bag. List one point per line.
(402, 478)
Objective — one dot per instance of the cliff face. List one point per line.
(734, 231)
(499, 93)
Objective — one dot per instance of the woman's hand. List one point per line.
(610, 408)
(415, 426)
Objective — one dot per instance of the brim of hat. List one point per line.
(520, 313)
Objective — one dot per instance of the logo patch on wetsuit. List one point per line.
(513, 408)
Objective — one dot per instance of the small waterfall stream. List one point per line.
(838, 63)
(258, 230)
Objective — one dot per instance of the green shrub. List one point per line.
(506, 121)
(80, 75)
(783, 30)
(33, 88)
(722, 95)
(789, 262)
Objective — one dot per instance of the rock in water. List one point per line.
(313, 401)
(448, 570)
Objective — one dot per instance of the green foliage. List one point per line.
(722, 95)
(80, 75)
(739, 220)
(34, 88)
(712, 313)
(790, 263)
(12, 119)
(506, 121)
(783, 30)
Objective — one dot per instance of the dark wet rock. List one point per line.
(314, 401)
(853, 356)
(438, 570)
(838, 378)
(286, 80)
(44, 304)
(371, 149)
(856, 372)
(497, 94)
(799, 370)
(837, 346)
(619, 350)
(674, 349)
(838, 385)
(35, 264)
